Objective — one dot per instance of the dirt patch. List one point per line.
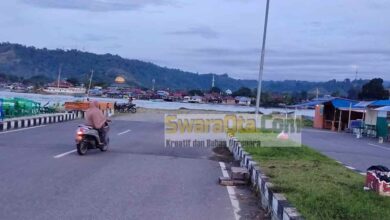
(222, 154)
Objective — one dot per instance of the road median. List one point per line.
(319, 187)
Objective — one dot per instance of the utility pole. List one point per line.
(59, 76)
(153, 81)
(90, 83)
(262, 61)
(356, 74)
(318, 92)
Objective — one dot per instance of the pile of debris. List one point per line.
(238, 176)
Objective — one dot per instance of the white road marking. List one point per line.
(375, 145)
(22, 129)
(231, 192)
(64, 154)
(364, 174)
(351, 168)
(339, 162)
(122, 133)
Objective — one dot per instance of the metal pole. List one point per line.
(349, 115)
(262, 61)
(90, 83)
(59, 76)
(339, 127)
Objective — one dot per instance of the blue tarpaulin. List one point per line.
(343, 103)
(336, 102)
(384, 108)
(380, 103)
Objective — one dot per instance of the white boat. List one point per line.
(66, 91)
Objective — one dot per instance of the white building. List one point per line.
(195, 99)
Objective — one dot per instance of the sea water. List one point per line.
(60, 99)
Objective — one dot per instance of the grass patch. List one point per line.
(307, 122)
(317, 186)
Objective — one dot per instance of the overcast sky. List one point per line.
(307, 40)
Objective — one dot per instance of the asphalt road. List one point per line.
(138, 178)
(346, 148)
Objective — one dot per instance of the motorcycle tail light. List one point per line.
(79, 138)
(80, 131)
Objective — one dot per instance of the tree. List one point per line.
(374, 90)
(39, 80)
(215, 90)
(304, 95)
(243, 91)
(73, 80)
(195, 92)
(336, 93)
(353, 93)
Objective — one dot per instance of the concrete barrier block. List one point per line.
(279, 202)
(239, 173)
(290, 213)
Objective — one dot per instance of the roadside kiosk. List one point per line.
(1, 110)
(383, 122)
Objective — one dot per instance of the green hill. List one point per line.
(27, 62)
(18, 61)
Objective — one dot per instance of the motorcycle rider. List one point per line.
(94, 117)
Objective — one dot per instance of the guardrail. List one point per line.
(24, 122)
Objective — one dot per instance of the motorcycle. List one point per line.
(125, 108)
(132, 108)
(88, 138)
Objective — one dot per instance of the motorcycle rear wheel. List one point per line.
(82, 148)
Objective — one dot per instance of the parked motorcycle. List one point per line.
(132, 108)
(88, 138)
(125, 108)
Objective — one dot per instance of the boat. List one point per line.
(65, 90)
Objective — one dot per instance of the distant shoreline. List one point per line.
(147, 104)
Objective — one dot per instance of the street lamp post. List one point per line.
(262, 61)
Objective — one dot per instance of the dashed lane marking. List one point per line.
(64, 154)
(122, 133)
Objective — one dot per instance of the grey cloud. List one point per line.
(381, 51)
(307, 62)
(205, 32)
(96, 5)
(279, 62)
(223, 51)
(97, 38)
(286, 52)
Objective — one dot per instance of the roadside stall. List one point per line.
(336, 114)
(80, 107)
(1, 110)
(333, 113)
(383, 122)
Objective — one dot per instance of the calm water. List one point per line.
(53, 99)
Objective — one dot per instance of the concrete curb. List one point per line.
(276, 203)
(25, 122)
